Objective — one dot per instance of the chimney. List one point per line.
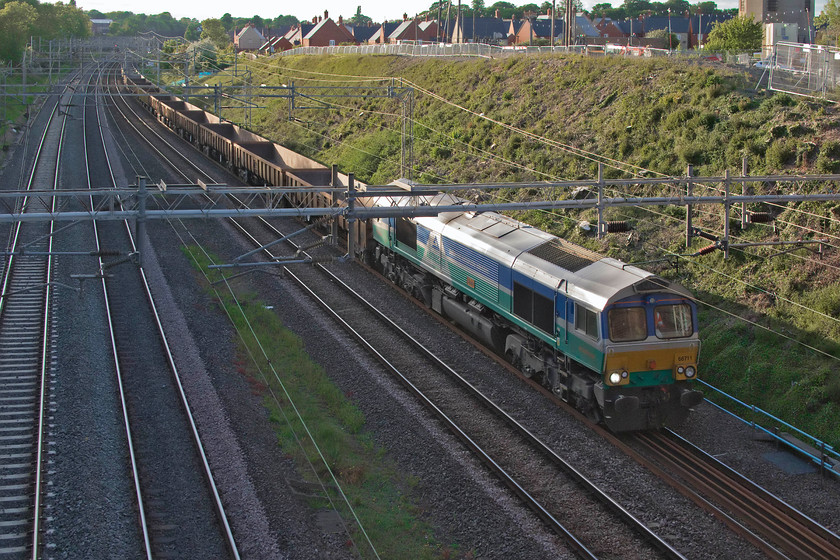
(498, 15)
(326, 14)
(405, 17)
(315, 19)
(340, 20)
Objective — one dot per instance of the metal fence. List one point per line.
(483, 50)
(802, 69)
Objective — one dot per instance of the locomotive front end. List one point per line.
(651, 359)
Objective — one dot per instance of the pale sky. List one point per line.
(379, 10)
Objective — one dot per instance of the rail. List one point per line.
(817, 451)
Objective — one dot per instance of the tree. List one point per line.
(16, 22)
(281, 20)
(706, 8)
(227, 22)
(360, 19)
(528, 8)
(738, 34)
(193, 32)
(506, 9)
(670, 41)
(477, 6)
(214, 31)
(829, 24)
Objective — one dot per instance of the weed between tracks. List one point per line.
(275, 363)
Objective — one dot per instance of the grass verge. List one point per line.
(303, 401)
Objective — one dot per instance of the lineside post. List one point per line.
(142, 195)
(351, 215)
(689, 192)
(601, 226)
(726, 205)
(745, 192)
(334, 224)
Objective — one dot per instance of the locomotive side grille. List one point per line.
(570, 258)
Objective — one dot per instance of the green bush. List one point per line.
(829, 159)
(779, 154)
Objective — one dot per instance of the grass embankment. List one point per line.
(12, 108)
(647, 116)
(296, 391)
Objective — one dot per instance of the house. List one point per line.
(430, 28)
(494, 31)
(608, 28)
(327, 33)
(679, 26)
(275, 44)
(297, 33)
(534, 29)
(380, 36)
(249, 39)
(538, 28)
(363, 33)
(409, 30)
(100, 26)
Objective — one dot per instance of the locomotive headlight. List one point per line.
(681, 370)
(690, 371)
(615, 378)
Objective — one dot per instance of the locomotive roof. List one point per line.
(589, 277)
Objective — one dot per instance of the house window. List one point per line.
(772, 5)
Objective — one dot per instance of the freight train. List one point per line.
(617, 342)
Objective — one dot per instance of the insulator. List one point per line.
(707, 249)
(700, 233)
(617, 227)
(759, 217)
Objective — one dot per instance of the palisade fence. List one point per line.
(802, 69)
(483, 50)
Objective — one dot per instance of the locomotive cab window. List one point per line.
(673, 321)
(533, 308)
(586, 321)
(627, 324)
(407, 233)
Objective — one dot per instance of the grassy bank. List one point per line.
(302, 400)
(770, 328)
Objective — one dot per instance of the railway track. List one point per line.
(775, 527)
(180, 506)
(25, 354)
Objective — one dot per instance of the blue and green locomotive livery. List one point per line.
(617, 342)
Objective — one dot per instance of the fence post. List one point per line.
(726, 214)
(690, 192)
(745, 192)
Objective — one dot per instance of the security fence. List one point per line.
(802, 69)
